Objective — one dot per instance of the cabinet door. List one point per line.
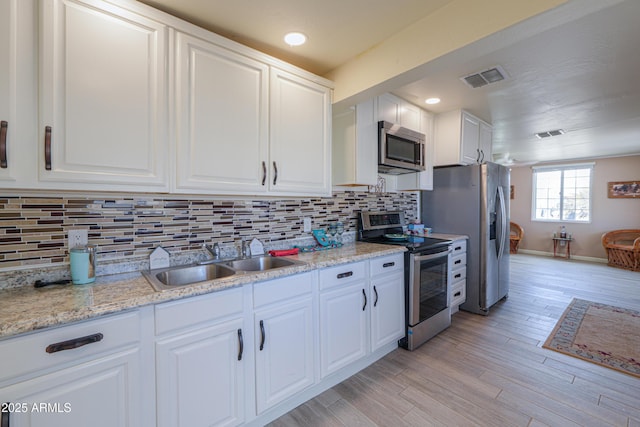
(387, 309)
(300, 135)
(389, 108)
(200, 377)
(18, 87)
(485, 143)
(101, 393)
(284, 351)
(410, 116)
(222, 127)
(469, 139)
(103, 97)
(343, 327)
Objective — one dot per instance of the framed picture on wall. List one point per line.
(624, 190)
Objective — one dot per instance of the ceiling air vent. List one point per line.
(550, 133)
(483, 78)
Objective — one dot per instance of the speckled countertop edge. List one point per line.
(25, 309)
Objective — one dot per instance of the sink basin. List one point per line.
(169, 278)
(261, 263)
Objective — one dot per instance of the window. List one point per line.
(562, 193)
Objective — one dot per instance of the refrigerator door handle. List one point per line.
(503, 221)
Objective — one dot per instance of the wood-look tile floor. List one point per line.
(493, 371)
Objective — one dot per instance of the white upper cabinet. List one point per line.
(461, 138)
(103, 98)
(355, 146)
(246, 127)
(18, 91)
(485, 142)
(300, 139)
(355, 143)
(396, 110)
(221, 119)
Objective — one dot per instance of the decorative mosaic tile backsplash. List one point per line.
(33, 230)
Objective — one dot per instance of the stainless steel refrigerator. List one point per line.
(474, 200)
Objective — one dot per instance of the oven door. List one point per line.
(428, 285)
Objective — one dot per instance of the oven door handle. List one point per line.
(433, 256)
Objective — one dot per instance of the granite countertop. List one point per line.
(25, 309)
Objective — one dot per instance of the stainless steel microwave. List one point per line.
(400, 150)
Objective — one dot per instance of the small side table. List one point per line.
(557, 240)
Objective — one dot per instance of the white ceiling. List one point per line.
(582, 76)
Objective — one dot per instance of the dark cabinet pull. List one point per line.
(4, 416)
(346, 274)
(364, 294)
(241, 343)
(375, 302)
(457, 294)
(457, 248)
(457, 261)
(264, 173)
(74, 343)
(262, 334)
(457, 276)
(3, 144)
(388, 264)
(47, 148)
(275, 173)
(478, 156)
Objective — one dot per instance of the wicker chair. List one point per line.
(516, 233)
(623, 248)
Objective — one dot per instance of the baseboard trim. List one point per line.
(576, 257)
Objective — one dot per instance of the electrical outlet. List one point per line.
(78, 237)
(306, 225)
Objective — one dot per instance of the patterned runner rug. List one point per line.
(599, 333)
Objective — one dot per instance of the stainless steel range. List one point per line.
(427, 274)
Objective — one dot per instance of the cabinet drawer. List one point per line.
(458, 293)
(458, 274)
(40, 350)
(342, 274)
(280, 289)
(386, 265)
(458, 247)
(174, 315)
(458, 261)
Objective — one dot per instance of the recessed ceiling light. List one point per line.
(432, 101)
(295, 39)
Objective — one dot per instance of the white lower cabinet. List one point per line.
(284, 339)
(344, 316)
(87, 374)
(201, 360)
(361, 310)
(387, 305)
(244, 355)
(458, 274)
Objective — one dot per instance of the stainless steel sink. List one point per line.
(172, 277)
(261, 263)
(169, 278)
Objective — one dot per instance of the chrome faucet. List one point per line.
(246, 250)
(213, 250)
